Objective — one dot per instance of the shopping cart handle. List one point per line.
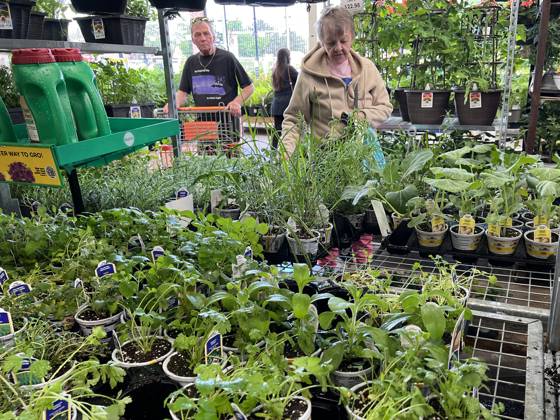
(202, 108)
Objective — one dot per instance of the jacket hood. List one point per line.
(315, 63)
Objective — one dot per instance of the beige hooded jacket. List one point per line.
(321, 97)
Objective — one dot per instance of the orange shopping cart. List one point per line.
(207, 130)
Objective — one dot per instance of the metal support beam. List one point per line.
(312, 40)
(554, 319)
(76, 191)
(168, 71)
(529, 145)
(256, 35)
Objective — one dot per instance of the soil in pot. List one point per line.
(178, 364)
(294, 410)
(90, 315)
(132, 353)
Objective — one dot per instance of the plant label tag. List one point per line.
(353, 6)
(456, 340)
(538, 220)
(3, 277)
(18, 288)
(438, 224)
(381, 217)
(135, 111)
(66, 208)
(495, 230)
(248, 253)
(427, 100)
(454, 277)
(542, 234)
(6, 324)
(78, 283)
(508, 222)
(116, 340)
(215, 199)
(173, 302)
(157, 252)
(181, 193)
(105, 269)
(98, 28)
(60, 411)
(136, 242)
(237, 413)
(5, 16)
(466, 225)
(24, 376)
(475, 100)
(213, 348)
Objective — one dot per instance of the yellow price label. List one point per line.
(438, 224)
(466, 225)
(542, 234)
(540, 220)
(495, 230)
(29, 164)
(508, 222)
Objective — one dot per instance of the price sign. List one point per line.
(5, 16)
(30, 165)
(427, 100)
(353, 6)
(98, 28)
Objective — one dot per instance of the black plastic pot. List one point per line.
(271, 3)
(119, 29)
(123, 110)
(400, 96)
(99, 6)
(186, 5)
(19, 11)
(433, 115)
(483, 115)
(35, 28)
(16, 114)
(252, 110)
(231, 2)
(55, 29)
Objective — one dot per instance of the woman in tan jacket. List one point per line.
(334, 80)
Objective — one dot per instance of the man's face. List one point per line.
(203, 37)
(337, 45)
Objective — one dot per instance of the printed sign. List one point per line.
(475, 100)
(3, 277)
(213, 349)
(456, 340)
(61, 410)
(97, 28)
(181, 193)
(157, 252)
(5, 16)
(18, 288)
(135, 111)
(105, 269)
(6, 324)
(32, 165)
(427, 100)
(466, 225)
(353, 6)
(215, 199)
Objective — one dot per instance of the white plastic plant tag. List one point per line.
(292, 225)
(135, 111)
(475, 100)
(213, 348)
(105, 269)
(182, 204)
(61, 410)
(181, 193)
(157, 252)
(136, 242)
(215, 199)
(5, 16)
(456, 340)
(454, 277)
(3, 277)
(427, 100)
(381, 217)
(18, 288)
(98, 28)
(248, 253)
(239, 268)
(66, 208)
(6, 324)
(116, 341)
(238, 413)
(78, 283)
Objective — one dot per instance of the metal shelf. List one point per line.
(449, 124)
(12, 44)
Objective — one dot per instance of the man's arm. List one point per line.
(235, 106)
(180, 99)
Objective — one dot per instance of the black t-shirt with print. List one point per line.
(214, 80)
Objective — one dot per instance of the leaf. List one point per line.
(339, 305)
(301, 275)
(448, 185)
(300, 305)
(433, 319)
(333, 356)
(483, 148)
(496, 179)
(415, 161)
(452, 173)
(399, 199)
(546, 174)
(410, 302)
(325, 320)
(453, 155)
(548, 189)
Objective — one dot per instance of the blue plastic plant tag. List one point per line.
(213, 351)
(3, 276)
(372, 140)
(181, 193)
(248, 253)
(18, 288)
(6, 325)
(157, 252)
(24, 376)
(105, 269)
(59, 411)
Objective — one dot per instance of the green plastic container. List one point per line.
(45, 101)
(7, 133)
(89, 112)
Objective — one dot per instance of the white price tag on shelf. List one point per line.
(5, 16)
(353, 6)
(97, 28)
(427, 100)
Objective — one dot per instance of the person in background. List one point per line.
(284, 79)
(212, 76)
(334, 80)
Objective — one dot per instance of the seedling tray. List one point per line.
(404, 240)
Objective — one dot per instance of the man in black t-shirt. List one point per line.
(213, 76)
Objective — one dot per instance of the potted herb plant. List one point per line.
(429, 223)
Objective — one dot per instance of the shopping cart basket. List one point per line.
(207, 130)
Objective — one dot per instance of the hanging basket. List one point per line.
(271, 3)
(55, 29)
(35, 28)
(99, 6)
(185, 5)
(400, 96)
(119, 29)
(19, 11)
(479, 109)
(423, 110)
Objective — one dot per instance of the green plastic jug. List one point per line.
(7, 133)
(87, 106)
(44, 98)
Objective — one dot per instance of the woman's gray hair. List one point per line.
(336, 18)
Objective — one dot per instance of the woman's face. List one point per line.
(336, 44)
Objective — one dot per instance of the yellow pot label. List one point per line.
(466, 225)
(540, 220)
(542, 234)
(495, 230)
(438, 224)
(508, 222)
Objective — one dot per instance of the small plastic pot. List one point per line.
(308, 246)
(466, 242)
(304, 416)
(501, 245)
(108, 324)
(273, 243)
(325, 233)
(9, 340)
(183, 380)
(431, 239)
(350, 379)
(541, 250)
(118, 362)
(354, 389)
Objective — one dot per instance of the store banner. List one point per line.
(32, 165)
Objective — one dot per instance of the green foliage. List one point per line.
(140, 8)
(9, 93)
(55, 9)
